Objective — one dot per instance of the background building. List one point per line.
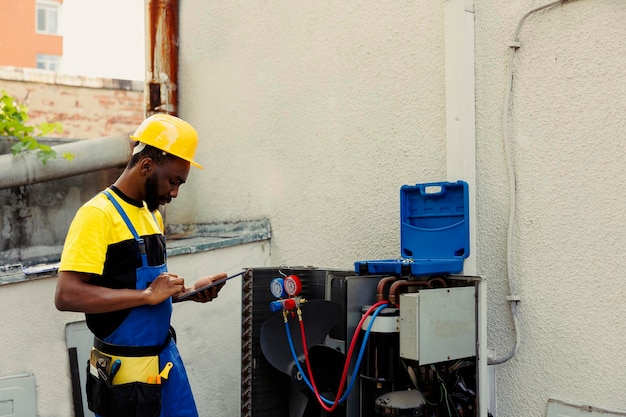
(64, 62)
(30, 34)
(79, 37)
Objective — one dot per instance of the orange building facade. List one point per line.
(31, 51)
(29, 34)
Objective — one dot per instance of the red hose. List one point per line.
(348, 358)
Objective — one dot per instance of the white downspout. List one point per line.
(461, 150)
(90, 155)
(460, 107)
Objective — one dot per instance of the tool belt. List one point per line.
(134, 351)
(125, 381)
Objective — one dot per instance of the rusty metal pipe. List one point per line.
(380, 288)
(439, 280)
(162, 57)
(395, 288)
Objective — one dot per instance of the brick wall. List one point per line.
(34, 218)
(86, 107)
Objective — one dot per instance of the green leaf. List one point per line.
(13, 118)
(46, 155)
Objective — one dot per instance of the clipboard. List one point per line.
(206, 287)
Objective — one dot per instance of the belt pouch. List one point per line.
(133, 397)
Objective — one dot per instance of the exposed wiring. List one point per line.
(460, 364)
(440, 394)
(513, 298)
(443, 389)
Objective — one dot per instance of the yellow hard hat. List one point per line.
(170, 134)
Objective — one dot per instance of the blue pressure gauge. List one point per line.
(277, 288)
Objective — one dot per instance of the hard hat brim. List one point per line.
(169, 134)
(197, 165)
(191, 161)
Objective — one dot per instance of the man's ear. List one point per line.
(146, 166)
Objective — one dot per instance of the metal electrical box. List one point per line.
(17, 396)
(438, 324)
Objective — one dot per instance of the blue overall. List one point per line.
(149, 326)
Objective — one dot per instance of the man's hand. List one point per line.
(206, 295)
(164, 286)
(75, 293)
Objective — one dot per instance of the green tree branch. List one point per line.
(13, 123)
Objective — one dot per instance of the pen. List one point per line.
(115, 367)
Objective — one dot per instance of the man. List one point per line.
(113, 268)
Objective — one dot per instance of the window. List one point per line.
(48, 62)
(48, 17)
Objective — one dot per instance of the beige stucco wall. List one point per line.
(314, 115)
(567, 124)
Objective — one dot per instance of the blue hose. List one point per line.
(356, 366)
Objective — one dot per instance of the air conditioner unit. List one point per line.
(421, 357)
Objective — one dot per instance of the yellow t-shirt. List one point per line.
(100, 243)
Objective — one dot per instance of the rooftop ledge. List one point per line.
(181, 240)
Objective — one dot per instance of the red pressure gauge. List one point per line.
(293, 286)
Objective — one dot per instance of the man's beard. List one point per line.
(152, 193)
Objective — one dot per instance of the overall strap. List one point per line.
(141, 245)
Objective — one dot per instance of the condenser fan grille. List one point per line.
(265, 390)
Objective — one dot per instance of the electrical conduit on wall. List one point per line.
(513, 297)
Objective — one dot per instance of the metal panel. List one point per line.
(438, 324)
(361, 292)
(17, 396)
(447, 324)
(79, 344)
(409, 326)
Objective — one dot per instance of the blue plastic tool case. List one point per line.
(434, 232)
